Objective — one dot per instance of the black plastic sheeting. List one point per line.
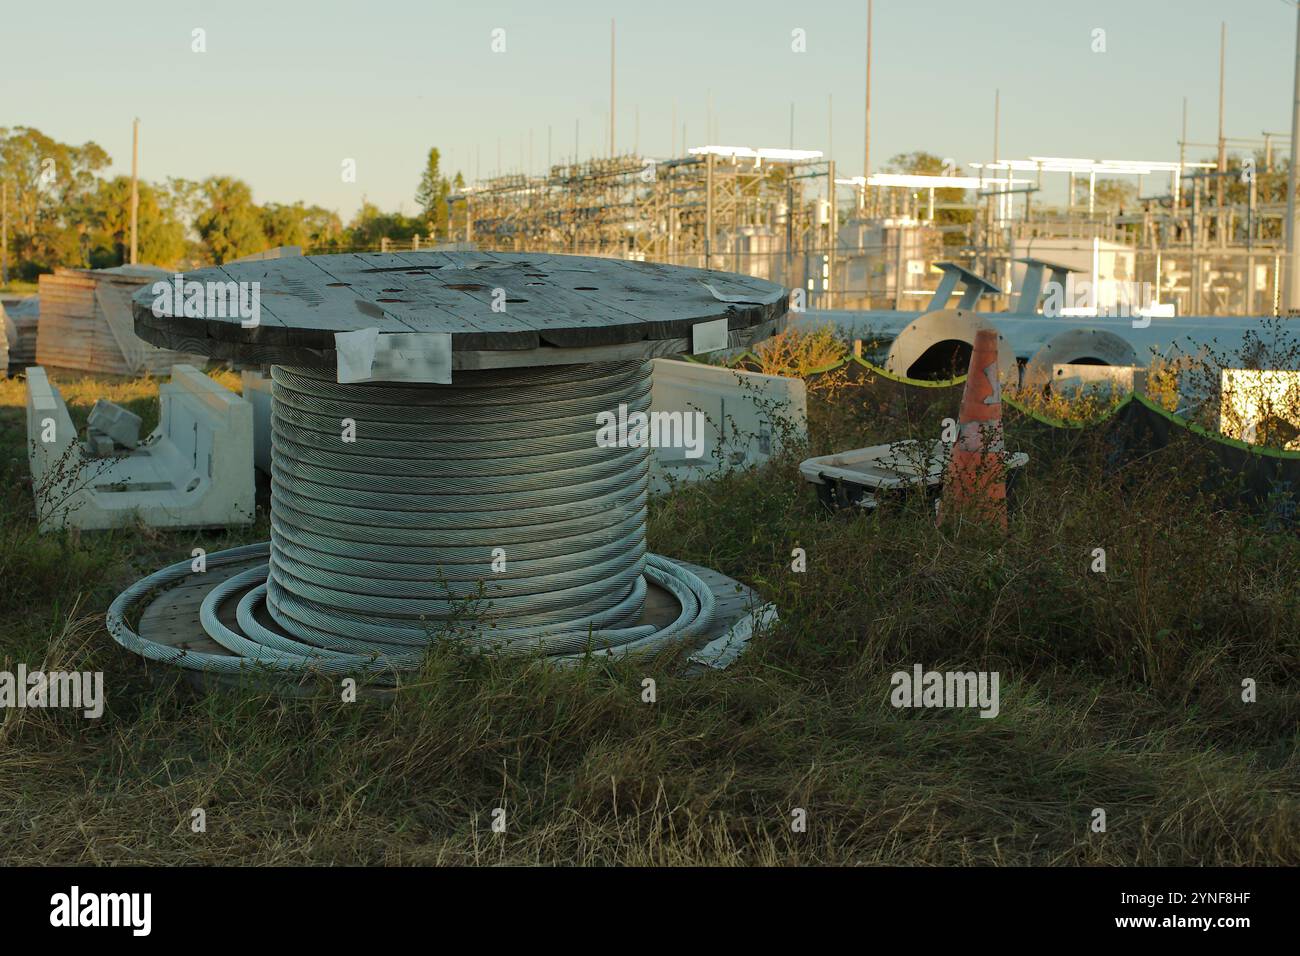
(1257, 478)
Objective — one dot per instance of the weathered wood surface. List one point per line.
(74, 332)
(260, 355)
(172, 617)
(550, 301)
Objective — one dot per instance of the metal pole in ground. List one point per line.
(1292, 297)
(866, 126)
(4, 233)
(135, 188)
(833, 234)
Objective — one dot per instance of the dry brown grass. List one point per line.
(1119, 691)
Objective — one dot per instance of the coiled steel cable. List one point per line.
(392, 506)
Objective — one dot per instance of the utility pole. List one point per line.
(1182, 160)
(1196, 245)
(988, 216)
(611, 87)
(4, 233)
(708, 210)
(135, 186)
(866, 136)
(832, 236)
(997, 117)
(830, 125)
(1292, 297)
(1252, 195)
(1223, 154)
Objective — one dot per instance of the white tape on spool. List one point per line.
(366, 355)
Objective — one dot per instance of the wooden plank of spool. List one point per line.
(551, 301)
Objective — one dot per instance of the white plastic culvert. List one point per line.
(1078, 347)
(937, 346)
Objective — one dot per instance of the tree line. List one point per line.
(63, 210)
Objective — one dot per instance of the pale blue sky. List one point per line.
(287, 89)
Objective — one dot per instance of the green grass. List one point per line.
(1120, 691)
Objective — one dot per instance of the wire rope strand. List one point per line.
(400, 514)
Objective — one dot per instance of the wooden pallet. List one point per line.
(74, 332)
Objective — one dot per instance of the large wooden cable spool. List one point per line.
(471, 383)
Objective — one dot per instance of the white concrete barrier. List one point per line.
(195, 470)
(256, 387)
(743, 418)
(1069, 378)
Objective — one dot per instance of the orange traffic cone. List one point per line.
(975, 480)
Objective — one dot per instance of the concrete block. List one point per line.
(737, 419)
(195, 470)
(101, 446)
(1069, 378)
(115, 422)
(256, 387)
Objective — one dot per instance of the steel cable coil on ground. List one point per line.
(401, 513)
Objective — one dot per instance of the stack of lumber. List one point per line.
(18, 317)
(86, 323)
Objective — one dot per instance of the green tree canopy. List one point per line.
(300, 225)
(920, 163)
(229, 223)
(371, 224)
(50, 187)
(432, 195)
(1113, 194)
(161, 236)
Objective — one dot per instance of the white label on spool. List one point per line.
(368, 356)
(708, 336)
